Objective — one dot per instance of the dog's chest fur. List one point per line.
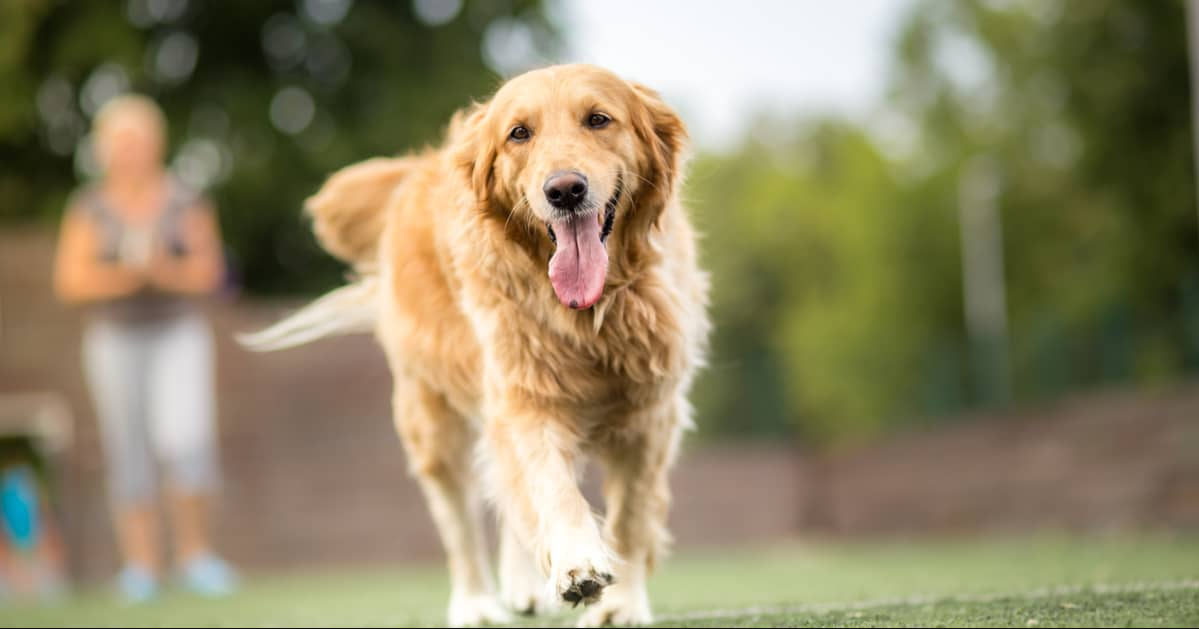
(632, 356)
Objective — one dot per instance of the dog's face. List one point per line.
(576, 151)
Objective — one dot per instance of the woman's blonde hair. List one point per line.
(122, 107)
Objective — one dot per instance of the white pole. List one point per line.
(983, 284)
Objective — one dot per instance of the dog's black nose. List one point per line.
(566, 190)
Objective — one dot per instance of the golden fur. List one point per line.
(486, 359)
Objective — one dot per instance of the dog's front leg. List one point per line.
(533, 463)
(637, 499)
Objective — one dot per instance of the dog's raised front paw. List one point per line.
(581, 581)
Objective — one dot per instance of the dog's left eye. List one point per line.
(519, 134)
(598, 121)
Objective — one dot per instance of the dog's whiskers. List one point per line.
(646, 181)
(523, 201)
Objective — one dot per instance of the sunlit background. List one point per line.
(954, 246)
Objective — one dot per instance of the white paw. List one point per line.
(522, 589)
(622, 606)
(578, 579)
(473, 610)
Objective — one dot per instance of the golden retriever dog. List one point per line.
(534, 284)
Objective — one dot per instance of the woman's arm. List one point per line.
(198, 271)
(80, 276)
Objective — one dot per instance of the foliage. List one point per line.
(265, 98)
(836, 252)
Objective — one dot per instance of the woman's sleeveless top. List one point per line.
(121, 241)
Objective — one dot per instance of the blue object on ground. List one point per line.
(19, 506)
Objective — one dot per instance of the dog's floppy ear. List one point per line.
(664, 135)
(475, 149)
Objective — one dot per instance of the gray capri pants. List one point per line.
(152, 383)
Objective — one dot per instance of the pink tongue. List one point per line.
(580, 263)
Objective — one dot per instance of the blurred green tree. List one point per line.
(1086, 109)
(264, 98)
(836, 247)
(835, 288)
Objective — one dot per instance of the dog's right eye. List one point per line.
(598, 120)
(519, 134)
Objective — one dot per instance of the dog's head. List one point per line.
(581, 155)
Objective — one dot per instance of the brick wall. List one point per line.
(1102, 462)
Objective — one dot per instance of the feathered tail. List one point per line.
(349, 216)
(350, 309)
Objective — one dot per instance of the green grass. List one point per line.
(980, 583)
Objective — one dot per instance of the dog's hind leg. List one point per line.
(439, 443)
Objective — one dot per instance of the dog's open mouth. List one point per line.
(580, 263)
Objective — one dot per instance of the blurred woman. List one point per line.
(137, 249)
